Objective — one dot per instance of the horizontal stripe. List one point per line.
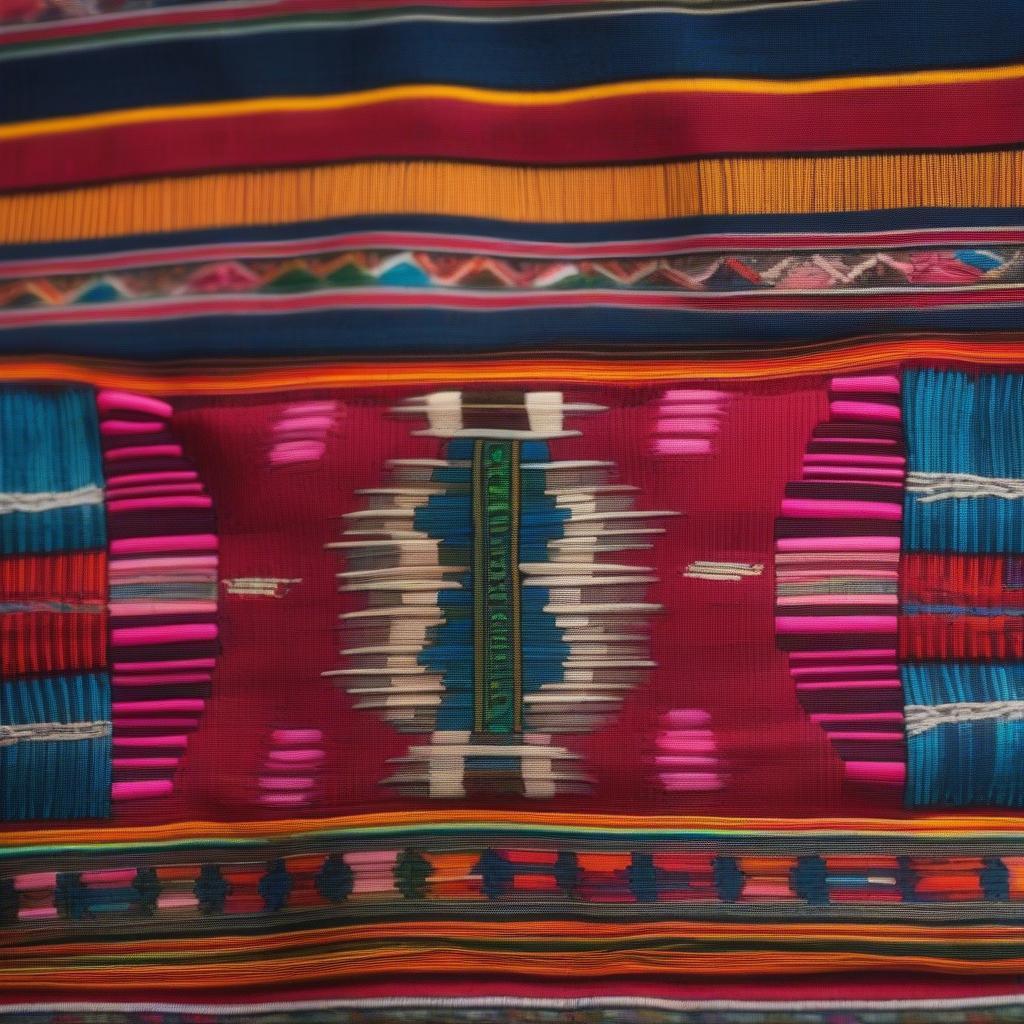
(423, 331)
(442, 122)
(785, 185)
(465, 823)
(89, 494)
(853, 355)
(51, 732)
(539, 50)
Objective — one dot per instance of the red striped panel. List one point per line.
(647, 126)
(74, 576)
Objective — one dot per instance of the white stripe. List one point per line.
(44, 501)
(920, 718)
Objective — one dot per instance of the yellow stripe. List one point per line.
(501, 97)
(814, 184)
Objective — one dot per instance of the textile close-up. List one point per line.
(511, 512)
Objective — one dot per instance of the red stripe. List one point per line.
(943, 579)
(74, 576)
(655, 126)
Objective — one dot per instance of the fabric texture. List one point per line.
(511, 512)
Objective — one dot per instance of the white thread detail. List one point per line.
(43, 501)
(922, 717)
(44, 732)
(946, 486)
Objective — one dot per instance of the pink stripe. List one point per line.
(838, 544)
(684, 717)
(836, 623)
(166, 724)
(313, 424)
(141, 790)
(165, 476)
(297, 736)
(826, 600)
(154, 679)
(178, 704)
(167, 562)
(109, 400)
(285, 800)
(865, 411)
(691, 782)
(111, 875)
(135, 636)
(298, 451)
(853, 459)
(37, 913)
(858, 472)
(871, 442)
(694, 395)
(327, 408)
(881, 384)
(682, 446)
(687, 424)
(686, 744)
(175, 542)
(35, 880)
(126, 609)
(143, 451)
(170, 501)
(824, 508)
(176, 901)
(692, 409)
(295, 756)
(118, 428)
(890, 773)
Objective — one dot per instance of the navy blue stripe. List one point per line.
(381, 333)
(824, 223)
(786, 42)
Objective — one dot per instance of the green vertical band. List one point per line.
(497, 650)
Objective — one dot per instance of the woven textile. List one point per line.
(511, 512)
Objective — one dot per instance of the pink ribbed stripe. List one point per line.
(176, 704)
(838, 544)
(141, 790)
(285, 736)
(892, 773)
(825, 508)
(836, 623)
(842, 409)
(136, 636)
(151, 741)
(109, 399)
(145, 762)
(124, 609)
(163, 476)
(119, 428)
(174, 542)
(143, 451)
(682, 446)
(884, 384)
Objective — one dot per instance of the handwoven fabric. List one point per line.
(511, 512)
